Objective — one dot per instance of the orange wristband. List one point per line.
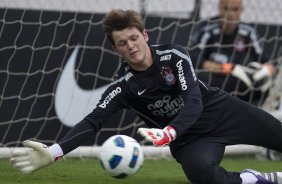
(226, 68)
(270, 68)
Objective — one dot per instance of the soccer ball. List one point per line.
(121, 156)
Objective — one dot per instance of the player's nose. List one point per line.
(130, 45)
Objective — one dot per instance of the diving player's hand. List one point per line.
(159, 137)
(28, 161)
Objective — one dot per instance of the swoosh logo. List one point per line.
(141, 92)
(73, 103)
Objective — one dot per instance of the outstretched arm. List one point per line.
(40, 155)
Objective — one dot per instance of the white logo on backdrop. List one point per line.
(72, 103)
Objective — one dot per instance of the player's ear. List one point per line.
(145, 35)
(114, 48)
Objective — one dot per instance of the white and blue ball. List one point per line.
(121, 156)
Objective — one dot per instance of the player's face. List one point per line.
(132, 45)
(230, 11)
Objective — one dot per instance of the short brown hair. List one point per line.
(118, 19)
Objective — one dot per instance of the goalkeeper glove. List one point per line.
(39, 156)
(240, 72)
(159, 137)
(262, 76)
(263, 71)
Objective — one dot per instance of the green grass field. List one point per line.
(88, 171)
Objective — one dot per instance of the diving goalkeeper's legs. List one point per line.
(200, 161)
(200, 157)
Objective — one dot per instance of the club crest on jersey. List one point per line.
(167, 75)
(239, 44)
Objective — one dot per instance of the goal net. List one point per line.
(56, 62)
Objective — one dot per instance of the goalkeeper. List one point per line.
(160, 85)
(230, 56)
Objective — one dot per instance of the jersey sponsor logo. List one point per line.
(72, 103)
(167, 106)
(165, 57)
(109, 97)
(181, 75)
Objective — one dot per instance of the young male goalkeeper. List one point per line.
(160, 85)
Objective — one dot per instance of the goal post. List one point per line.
(55, 62)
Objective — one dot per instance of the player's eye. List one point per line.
(235, 9)
(134, 37)
(231, 9)
(121, 43)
